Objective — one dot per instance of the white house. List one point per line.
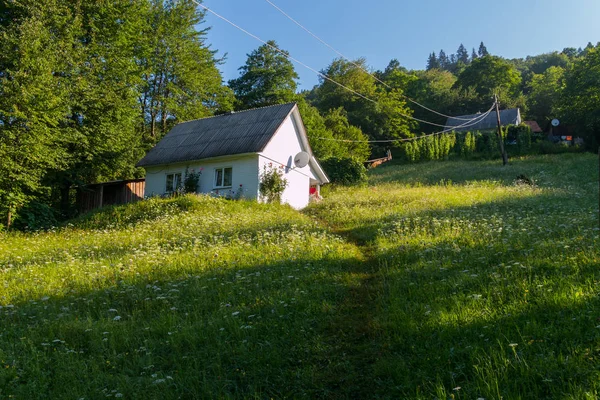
(231, 151)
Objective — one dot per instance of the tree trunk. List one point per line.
(65, 199)
(8, 219)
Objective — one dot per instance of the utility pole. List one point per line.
(500, 138)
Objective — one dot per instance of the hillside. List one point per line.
(435, 280)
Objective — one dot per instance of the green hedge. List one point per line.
(345, 171)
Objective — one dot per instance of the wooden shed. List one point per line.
(99, 195)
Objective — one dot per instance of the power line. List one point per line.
(322, 75)
(465, 125)
(358, 65)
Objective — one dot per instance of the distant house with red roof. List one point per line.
(535, 128)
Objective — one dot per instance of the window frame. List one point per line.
(222, 185)
(175, 184)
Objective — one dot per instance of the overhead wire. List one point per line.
(358, 65)
(322, 75)
(465, 125)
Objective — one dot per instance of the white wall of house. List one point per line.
(244, 173)
(281, 150)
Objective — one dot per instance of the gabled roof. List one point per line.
(228, 134)
(535, 128)
(507, 117)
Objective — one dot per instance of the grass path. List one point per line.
(353, 332)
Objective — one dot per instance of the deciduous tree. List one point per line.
(267, 78)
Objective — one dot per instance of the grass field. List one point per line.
(438, 280)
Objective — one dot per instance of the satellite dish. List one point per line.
(555, 122)
(301, 159)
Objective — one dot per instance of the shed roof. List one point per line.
(535, 127)
(228, 134)
(507, 117)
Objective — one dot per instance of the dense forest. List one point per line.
(87, 87)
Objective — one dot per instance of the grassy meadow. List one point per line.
(446, 280)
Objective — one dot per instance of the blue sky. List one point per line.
(407, 30)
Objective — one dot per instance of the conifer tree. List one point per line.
(462, 55)
(483, 51)
(443, 60)
(432, 62)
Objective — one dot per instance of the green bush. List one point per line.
(428, 148)
(125, 215)
(464, 144)
(521, 135)
(35, 216)
(345, 171)
(191, 181)
(546, 147)
(487, 143)
(272, 183)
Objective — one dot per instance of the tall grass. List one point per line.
(486, 288)
(438, 280)
(227, 299)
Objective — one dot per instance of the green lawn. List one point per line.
(438, 280)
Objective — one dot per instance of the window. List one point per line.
(173, 182)
(223, 177)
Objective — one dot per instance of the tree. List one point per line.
(180, 78)
(33, 99)
(540, 63)
(488, 75)
(462, 55)
(580, 101)
(82, 83)
(103, 112)
(545, 94)
(443, 60)
(379, 111)
(432, 62)
(570, 52)
(267, 78)
(358, 147)
(321, 139)
(393, 65)
(474, 54)
(483, 51)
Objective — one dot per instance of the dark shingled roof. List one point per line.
(507, 117)
(237, 133)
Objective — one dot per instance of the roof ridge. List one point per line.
(480, 113)
(238, 112)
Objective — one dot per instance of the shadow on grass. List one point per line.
(492, 328)
(267, 331)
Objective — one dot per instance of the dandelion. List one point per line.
(117, 318)
(112, 310)
(235, 313)
(513, 345)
